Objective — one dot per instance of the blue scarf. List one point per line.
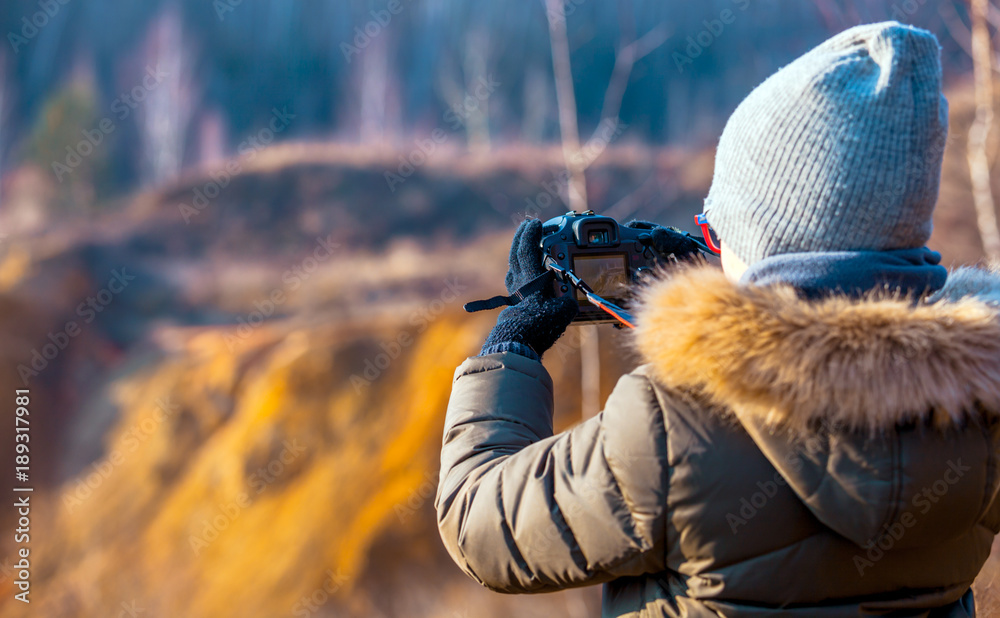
(853, 273)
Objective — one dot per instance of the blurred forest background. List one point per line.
(236, 235)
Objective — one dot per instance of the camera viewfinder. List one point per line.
(598, 237)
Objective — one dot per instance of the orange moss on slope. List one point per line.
(263, 472)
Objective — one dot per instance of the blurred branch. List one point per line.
(629, 205)
(590, 370)
(959, 32)
(566, 103)
(852, 12)
(167, 113)
(979, 166)
(477, 49)
(625, 60)
(374, 69)
(468, 108)
(831, 14)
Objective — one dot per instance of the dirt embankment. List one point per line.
(251, 426)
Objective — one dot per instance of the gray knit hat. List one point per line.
(840, 150)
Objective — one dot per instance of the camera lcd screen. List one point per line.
(606, 274)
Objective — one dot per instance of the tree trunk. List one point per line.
(566, 102)
(166, 113)
(3, 135)
(979, 165)
(590, 370)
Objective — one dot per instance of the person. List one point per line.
(813, 430)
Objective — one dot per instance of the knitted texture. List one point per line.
(668, 241)
(900, 272)
(539, 319)
(536, 322)
(840, 150)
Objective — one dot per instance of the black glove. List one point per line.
(539, 319)
(667, 241)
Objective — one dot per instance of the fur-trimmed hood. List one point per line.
(862, 364)
(861, 405)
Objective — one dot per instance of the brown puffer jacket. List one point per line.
(773, 456)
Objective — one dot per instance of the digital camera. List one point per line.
(609, 257)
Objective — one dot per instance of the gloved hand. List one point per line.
(539, 319)
(667, 241)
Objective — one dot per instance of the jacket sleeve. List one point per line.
(521, 510)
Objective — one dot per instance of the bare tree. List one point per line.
(6, 138)
(979, 165)
(629, 52)
(374, 76)
(3, 124)
(566, 103)
(994, 16)
(166, 113)
(959, 32)
(469, 103)
(378, 113)
(537, 102)
(477, 51)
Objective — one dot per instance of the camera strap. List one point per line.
(535, 285)
(624, 317)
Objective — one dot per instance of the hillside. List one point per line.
(200, 461)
